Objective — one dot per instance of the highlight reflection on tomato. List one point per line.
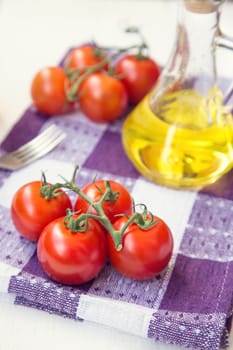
(139, 74)
(72, 257)
(103, 98)
(48, 91)
(83, 56)
(31, 212)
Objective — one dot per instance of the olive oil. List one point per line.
(184, 140)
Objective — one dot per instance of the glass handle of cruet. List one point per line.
(226, 42)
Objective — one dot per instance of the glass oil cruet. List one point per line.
(181, 134)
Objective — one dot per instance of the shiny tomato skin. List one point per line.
(72, 258)
(48, 91)
(122, 205)
(83, 56)
(31, 212)
(138, 75)
(103, 98)
(145, 253)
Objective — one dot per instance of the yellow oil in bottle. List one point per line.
(183, 140)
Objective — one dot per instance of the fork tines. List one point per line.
(34, 149)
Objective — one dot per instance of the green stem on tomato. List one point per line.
(47, 191)
(72, 92)
(73, 73)
(76, 225)
(77, 79)
(141, 47)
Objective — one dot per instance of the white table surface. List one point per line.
(34, 34)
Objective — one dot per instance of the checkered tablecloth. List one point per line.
(190, 304)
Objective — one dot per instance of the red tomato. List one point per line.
(138, 75)
(72, 257)
(144, 253)
(83, 56)
(48, 91)
(103, 98)
(31, 212)
(94, 191)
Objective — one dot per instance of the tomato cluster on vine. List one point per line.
(74, 240)
(100, 82)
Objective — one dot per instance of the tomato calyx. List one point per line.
(46, 190)
(108, 194)
(145, 219)
(79, 223)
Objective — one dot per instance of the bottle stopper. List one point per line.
(202, 6)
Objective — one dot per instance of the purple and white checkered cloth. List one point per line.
(190, 304)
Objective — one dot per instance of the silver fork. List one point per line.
(34, 149)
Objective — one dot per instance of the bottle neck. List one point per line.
(198, 25)
(192, 63)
